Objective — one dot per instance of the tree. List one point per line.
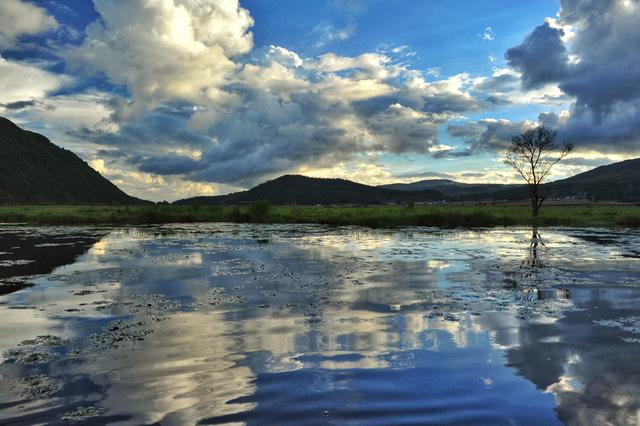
(532, 154)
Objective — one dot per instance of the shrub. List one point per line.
(629, 221)
(259, 211)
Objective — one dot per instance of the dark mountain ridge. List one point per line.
(35, 171)
(449, 187)
(619, 182)
(303, 190)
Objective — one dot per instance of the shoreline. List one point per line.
(451, 216)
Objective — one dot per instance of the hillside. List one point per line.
(302, 190)
(35, 171)
(449, 187)
(614, 182)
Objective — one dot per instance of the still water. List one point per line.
(244, 324)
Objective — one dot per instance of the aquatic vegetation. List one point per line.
(215, 323)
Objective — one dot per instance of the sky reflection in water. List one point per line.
(311, 325)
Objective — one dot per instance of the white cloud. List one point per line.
(24, 82)
(374, 64)
(166, 50)
(364, 168)
(18, 18)
(488, 34)
(342, 89)
(326, 33)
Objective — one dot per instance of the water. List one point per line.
(242, 324)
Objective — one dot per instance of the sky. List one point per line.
(176, 98)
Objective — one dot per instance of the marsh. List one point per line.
(308, 324)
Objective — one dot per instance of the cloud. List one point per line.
(487, 135)
(504, 87)
(542, 57)
(19, 18)
(608, 64)
(613, 141)
(18, 105)
(23, 82)
(488, 34)
(353, 6)
(283, 112)
(326, 33)
(373, 64)
(423, 175)
(598, 67)
(166, 50)
(400, 129)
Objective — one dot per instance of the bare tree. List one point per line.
(532, 154)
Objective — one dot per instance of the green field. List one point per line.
(373, 216)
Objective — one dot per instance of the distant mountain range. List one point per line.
(35, 171)
(618, 182)
(303, 190)
(449, 187)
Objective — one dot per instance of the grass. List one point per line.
(373, 216)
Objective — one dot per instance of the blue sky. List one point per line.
(169, 98)
(447, 35)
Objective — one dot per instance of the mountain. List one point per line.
(448, 187)
(35, 171)
(302, 190)
(614, 182)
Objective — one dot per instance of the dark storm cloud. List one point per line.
(607, 45)
(167, 164)
(603, 78)
(503, 83)
(485, 135)
(541, 58)
(264, 137)
(620, 132)
(19, 105)
(153, 130)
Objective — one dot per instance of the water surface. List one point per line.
(257, 324)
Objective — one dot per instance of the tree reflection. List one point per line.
(533, 260)
(532, 274)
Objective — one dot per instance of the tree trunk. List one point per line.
(535, 201)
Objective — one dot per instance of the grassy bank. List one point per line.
(374, 216)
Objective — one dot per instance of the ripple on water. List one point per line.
(315, 325)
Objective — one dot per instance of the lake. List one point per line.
(303, 324)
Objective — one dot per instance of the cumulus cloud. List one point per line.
(166, 50)
(598, 67)
(541, 58)
(202, 105)
(487, 135)
(23, 82)
(280, 112)
(19, 18)
(400, 129)
(608, 63)
(504, 87)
